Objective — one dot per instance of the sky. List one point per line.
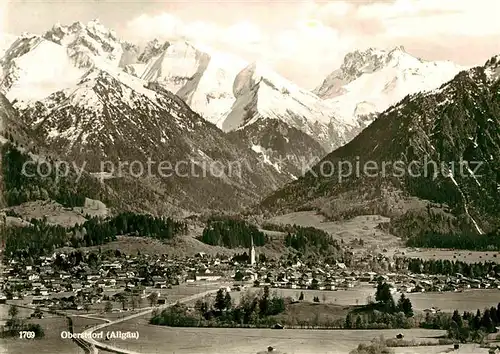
(303, 40)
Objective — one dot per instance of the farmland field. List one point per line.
(184, 290)
(157, 339)
(82, 323)
(352, 296)
(469, 300)
(464, 349)
(23, 312)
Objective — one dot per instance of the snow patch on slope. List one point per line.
(36, 68)
(201, 76)
(264, 153)
(466, 209)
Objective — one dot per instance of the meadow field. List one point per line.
(351, 296)
(364, 227)
(4, 312)
(82, 323)
(469, 300)
(158, 339)
(438, 349)
(183, 290)
(50, 344)
(453, 255)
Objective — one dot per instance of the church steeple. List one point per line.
(252, 252)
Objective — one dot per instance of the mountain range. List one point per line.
(247, 97)
(445, 141)
(85, 95)
(84, 108)
(234, 94)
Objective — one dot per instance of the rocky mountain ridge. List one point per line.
(370, 81)
(455, 126)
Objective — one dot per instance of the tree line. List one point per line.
(253, 310)
(383, 313)
(313, 241)
(37, 239)
(447, 267)
(40, 237)
(232, 232)
(161, 228)
(466, 327)
(306, 238)
(465, 241)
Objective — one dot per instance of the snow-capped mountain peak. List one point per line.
(370, 81)
(202, 76)
(65, 54)
(84, 40)
(260, 73)
(276, 97)
(261, 94)
(358, 63)
(252, 75)
(23, 78)
(65, 34)
(493, 68)
(232, 93)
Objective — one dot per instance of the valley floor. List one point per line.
(365, 227)
(158, 339)
(469, 300)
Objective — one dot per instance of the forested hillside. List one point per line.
(41, 238)
(232, 232)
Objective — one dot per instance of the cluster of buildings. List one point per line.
(48, 281)
(60, 281)
(325, 277)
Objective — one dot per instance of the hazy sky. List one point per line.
(302, 40)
